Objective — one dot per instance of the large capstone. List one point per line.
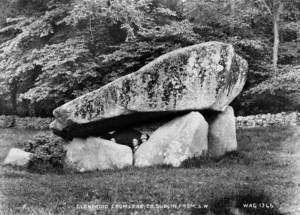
(206, 76)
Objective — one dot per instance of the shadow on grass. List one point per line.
(45, 167)
(233, 157)
(250, 202)
(197, 162)
(238, 157)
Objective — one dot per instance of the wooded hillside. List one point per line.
(53, 51)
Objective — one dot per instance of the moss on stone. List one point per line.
(152, 84)
(125, 91)
(164, 83)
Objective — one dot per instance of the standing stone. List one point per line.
(222, 133)
(97, 154)
(183, 137)
(18, 157)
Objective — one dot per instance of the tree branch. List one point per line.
(267, 6)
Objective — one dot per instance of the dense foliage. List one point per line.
(53, 51)
(48, 152)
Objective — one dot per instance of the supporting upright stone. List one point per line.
(97, 154)
(222, 133)
(182, 138)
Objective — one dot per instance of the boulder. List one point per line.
(182, 138)
(97, 154)
(18, 157)
(205, 76)
(222, 133)
(7, 121)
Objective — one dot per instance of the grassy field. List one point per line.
(266, 168)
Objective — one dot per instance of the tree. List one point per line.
(52, 51)
(277, 8)
(274, 8)
(58, 50)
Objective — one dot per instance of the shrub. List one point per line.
(49, 153)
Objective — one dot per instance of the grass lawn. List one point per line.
(267, 163)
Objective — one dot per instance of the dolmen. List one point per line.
(186, 93)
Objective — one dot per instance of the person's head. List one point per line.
(113, 139)
(135, 142)
(144, 137)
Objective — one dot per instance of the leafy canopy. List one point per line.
(53, 51)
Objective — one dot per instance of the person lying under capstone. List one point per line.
(144, 137)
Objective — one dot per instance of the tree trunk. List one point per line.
(232, 7)
(276, 40)
(276, 16)
(13, 96)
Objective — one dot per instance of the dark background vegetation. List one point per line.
(52, 51)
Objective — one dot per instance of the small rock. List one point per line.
(18, 157)
(6, 121)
